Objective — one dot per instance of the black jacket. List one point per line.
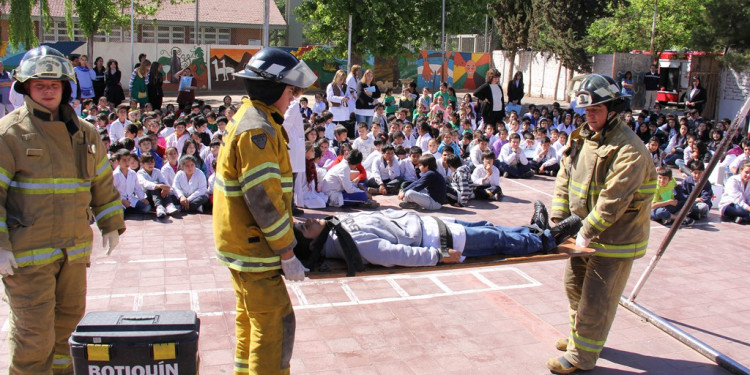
(364, 101)
(699, 98)
(485, 92)
(515, 92)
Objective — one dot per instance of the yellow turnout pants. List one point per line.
(46, 303)
(264, 325)
(594, 286)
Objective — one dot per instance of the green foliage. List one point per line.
(513, 19)
(726, 28)
(21, 30)
(564, 29)
(629, 28)
(385, 28)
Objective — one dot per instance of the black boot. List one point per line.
(566, 228)
(540, 218)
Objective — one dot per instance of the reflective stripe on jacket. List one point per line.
(54, 180)
(608, 179)
(253, 191)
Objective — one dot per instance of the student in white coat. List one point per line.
(295, 129)
(126, 182)
(190, 185)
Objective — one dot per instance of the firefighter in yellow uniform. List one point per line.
(253, 213)
(606, 177)
(54, 180)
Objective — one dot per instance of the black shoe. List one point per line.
(566, 228)
(540, 218)
(296, 211)
(739, 220)
(408, 205)
(528, 174)
(499, 195)
(688, 222)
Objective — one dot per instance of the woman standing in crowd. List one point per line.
(155, 80)
(627, 88)
(113, 87)
(367, 94)
(351, 83)
(490, 94)
(186, 90)
(696, 97)
(139, 83)
(99, 72)
(295, 128)
(515, 93)
(339, 98)
(85, 77)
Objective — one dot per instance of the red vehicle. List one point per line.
(674, 69)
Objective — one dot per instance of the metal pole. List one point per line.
(721, 150)
(722, 360)
(132, 31)
(197, 30)
(486, 24)
(41, 24)
(442, 43)
(349, 46)
(266, 21)
(653, 26)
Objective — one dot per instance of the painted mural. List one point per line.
(176, 58)
(465, 71)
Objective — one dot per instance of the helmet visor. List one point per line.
(45, 67)
(300, 75)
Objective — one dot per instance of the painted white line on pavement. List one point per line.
(156, 260)
(298, 292)
(440, 284)
(195, 303)
(349, 293)
(137, 302)
(527, 186)
(401, 292)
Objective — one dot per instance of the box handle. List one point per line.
(164, 351)
(98, 352)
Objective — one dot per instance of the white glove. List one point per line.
(110, 241)
(7, 262)
(582, 241)
(293, 269)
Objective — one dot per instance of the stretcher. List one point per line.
(332, 268)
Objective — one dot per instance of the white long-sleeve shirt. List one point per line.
(190, 189)
(168, 173)
(365, 146)
(510, 157)
(117, 130)
(477, 177)
(735, 192)
(408, 170)
(128, 186)
(476, 156)
(549, 159)
(380, 170)
(173, 141)
(370, 159)
(338, 179)
(422, 141)
(148, 181)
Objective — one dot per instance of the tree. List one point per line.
(513, 19)
(726, 28)
(564, 29)
(629, 27)
(21, 30)
(385, 28)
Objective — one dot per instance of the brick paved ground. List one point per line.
(497, 320)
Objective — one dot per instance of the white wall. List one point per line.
(540, 73)
(734, 89)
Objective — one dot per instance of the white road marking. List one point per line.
(527, 186)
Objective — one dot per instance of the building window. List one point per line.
(58, 32)
(170, 34)
(215, 35)
(114, 35)
(148, 34)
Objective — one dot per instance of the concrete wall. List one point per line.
(734, 89)
(540, 73)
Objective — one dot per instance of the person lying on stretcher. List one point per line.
(402, 238)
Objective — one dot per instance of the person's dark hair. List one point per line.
(701, 147)
(428, 160)
(188, 157)
(453, 161)
(488, 155)
(514, 136)
(120, 153)
(339, 129)
(654, 139)
(153, 71)
(415, 150)
(387, 148)
(696, 165)
(378, 142)
(400, 150)
(127, 143)
(147, 157)
(354, 157)
(132, 128)
(110, 62)
(141, 56)
(344, 147)
(143, 139)
(664, 171)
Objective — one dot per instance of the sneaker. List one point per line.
(665, 222)
(688, 221)
(172, 210)
(739, 220)
(540, 218)
(370, 203)
(506, 174)
(566, 228)
(528, 174)
(408, 205)
(199, 209)
(160, 211)
(373, 191)
(499, 195)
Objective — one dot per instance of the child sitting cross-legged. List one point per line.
(459, 190)
(665, 205)
(703, 202)
(190, 185)
(429, 191)
(158, 191)
(486, 179)
(126, 182)
(340, 188)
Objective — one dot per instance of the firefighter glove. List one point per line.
(293, 269)
(110, 241)
(7, 262)
(582, 241)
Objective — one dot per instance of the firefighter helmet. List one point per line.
(44, 62)
(277, 65)
(597, 89)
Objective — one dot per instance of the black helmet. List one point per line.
(597, 89)
(277, 65)
(44, 62)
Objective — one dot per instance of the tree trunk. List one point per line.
(512, 64)
(557, 81)
(90, 47)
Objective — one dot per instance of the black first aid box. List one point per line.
(136, 343)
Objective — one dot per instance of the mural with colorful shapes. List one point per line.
(174, 59)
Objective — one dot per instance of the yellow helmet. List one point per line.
(44, 62)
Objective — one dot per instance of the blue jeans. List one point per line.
(734, 211)
(672, 159)
(366, 119)
(661, 214)
(484, 238)
(139, 208)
